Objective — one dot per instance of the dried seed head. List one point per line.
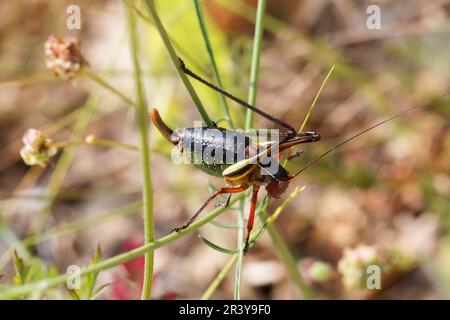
(63, 56)
(37, 149)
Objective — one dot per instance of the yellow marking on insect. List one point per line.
(231, 171)
(241, 164)
(267, 143)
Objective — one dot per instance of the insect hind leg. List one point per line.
(218, 192)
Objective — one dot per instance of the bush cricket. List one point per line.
(248, 167)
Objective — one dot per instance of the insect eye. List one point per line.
(316, 136)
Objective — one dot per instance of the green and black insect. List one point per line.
(250, 164)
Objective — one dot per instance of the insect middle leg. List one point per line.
(218, 192)
(225, 203)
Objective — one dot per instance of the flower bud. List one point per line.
(37, 149)
(63, 56)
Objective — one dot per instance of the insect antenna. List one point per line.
(236, 99)
(354, 137)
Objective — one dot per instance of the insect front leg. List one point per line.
(218, 192)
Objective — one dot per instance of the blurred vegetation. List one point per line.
(386, 193)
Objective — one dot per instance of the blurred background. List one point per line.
(383, 198)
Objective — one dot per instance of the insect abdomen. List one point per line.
(213, 149)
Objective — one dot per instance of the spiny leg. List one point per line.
(251, 216)
(225, 203)
(218, 192)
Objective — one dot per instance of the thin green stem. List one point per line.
(219, 278)
(256, 53)
(313, 104)
(318, 51)
(105, 84)
(142, 117)
(68, 228)
(289, 262)
(282, 249)
(150, 5)
(113, 144)
(96, 142)
(63, 165)
(257, 41)
(176, 45)
(240, 247)
(209, 49)
(247, 11)
(15, 291)
(316, 98)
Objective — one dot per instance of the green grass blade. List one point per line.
(209, 49)
(316, 98)
(217, 247)
(150, 6)
(142, 118)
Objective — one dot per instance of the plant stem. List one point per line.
(40, 285)
(113, 144)
(209, 49)
(96, 142)
(281, 248)
(283, 251)
(219, 278)
(289, 262)
(311, 108)
(176, 45)
(68, 228)
(102, 82)
(316, 98)
(257, 41)
(63, 165)
(142, 117)
(240, 247)
(150, 5)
